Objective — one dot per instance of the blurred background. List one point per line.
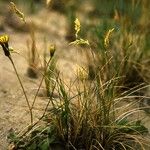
(52, 21)
(130, 14)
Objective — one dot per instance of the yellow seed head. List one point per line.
(107, 37)
(80, 42)
(77, 26)
(17, 11)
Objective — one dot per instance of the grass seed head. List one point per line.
(17, 11)
(77, 27)
(107, 37)
(80, 42)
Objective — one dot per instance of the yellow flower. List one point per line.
(4, 39)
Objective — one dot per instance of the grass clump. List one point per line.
(90, 119)
(123, 54)
(88, 115)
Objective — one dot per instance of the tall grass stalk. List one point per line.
(27, 100)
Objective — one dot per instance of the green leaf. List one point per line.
(44, 145)
(33, 146)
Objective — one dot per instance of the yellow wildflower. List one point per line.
(4, 39)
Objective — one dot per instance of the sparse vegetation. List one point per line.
(100, 109)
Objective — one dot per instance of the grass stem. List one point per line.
(40, 84)
(27, 100)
